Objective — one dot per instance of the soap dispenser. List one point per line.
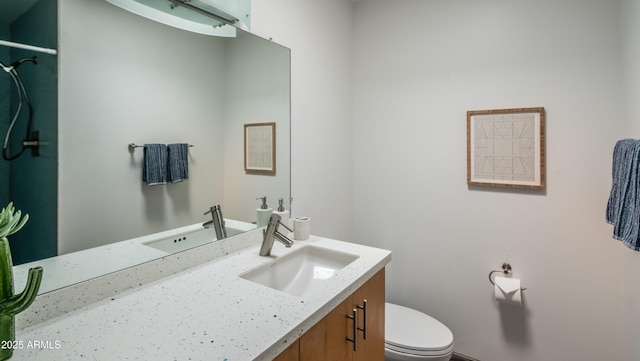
(264, 213)
(283, 213)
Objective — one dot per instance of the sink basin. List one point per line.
(183, 241)
(300, 271)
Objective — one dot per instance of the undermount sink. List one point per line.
(298, 272)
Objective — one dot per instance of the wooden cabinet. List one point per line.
(372, 293)
(291, 353)
(327, 340)
(332, 338)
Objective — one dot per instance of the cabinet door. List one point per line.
(371, 348)
(327, 340)
(291, 353)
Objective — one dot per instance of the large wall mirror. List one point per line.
(123, 79)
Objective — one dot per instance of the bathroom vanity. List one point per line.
(229, 308)
(332, 338)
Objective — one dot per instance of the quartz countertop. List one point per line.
(204, 313)
(71, 268)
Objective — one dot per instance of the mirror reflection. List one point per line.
(123, 79)
(28, 113)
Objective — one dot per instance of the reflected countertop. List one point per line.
(72, 268)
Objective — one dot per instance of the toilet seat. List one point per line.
(412, 332)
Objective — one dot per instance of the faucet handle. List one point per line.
(276, 220)
(212, 209)
(285, 226)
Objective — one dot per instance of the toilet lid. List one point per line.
(411, 331)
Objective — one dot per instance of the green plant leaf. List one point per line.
(11, 220)
(21, 224)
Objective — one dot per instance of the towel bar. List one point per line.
(133, 146)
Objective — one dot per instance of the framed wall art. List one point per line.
(260, 148)
(505, 148)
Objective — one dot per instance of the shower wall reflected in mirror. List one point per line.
(28, 113)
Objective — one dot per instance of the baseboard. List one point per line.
(459, 357)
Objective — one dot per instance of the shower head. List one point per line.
(17, 63)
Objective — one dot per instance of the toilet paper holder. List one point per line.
(506, 269)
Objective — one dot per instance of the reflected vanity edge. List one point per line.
(72, 268)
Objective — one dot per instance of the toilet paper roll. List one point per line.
(508, 290)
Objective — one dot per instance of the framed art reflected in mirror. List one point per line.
(260, 148)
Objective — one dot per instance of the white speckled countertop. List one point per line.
(204, 313)
(71, 268)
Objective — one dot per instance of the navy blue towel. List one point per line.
(623, 207)
(154, 164)
(178, 167)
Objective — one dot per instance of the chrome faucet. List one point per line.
(217, 222)
(271, 233)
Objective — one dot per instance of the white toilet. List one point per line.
(411, 335)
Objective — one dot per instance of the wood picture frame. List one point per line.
(506, 147)
(260, 148)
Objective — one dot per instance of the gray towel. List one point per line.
(154, 164)
(623, 206)
(178, 167)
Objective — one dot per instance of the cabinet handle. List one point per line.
(364, 319)
(354, 317)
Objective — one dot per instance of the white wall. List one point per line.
(414, 82)
(418, 66)
(154, 96)
(630, 11)
(321, 146)
(257, 91)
